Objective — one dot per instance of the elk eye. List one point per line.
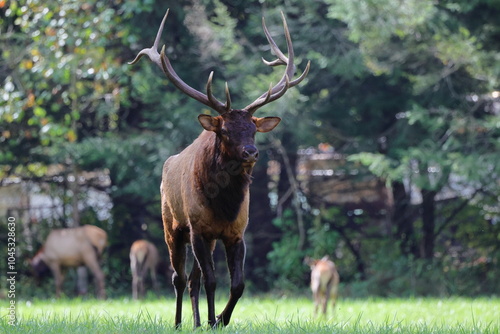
(224, 133)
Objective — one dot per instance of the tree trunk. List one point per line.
(360, 263)
(288, 188)
(82, 281)
(428, 223)
(261, 231)
(402, 218)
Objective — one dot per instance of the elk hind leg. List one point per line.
(194, 292)
(143, 270)
(154, 280)
(135, 278)
(325, 299)
(316, 291)
(316, 298)
(177, 250)
(135, 283)
(334, 294)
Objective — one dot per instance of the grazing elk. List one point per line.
(324, 282)
(205, 188)
(72, 247)
(143, 257)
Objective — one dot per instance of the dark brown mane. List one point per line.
(220, 178)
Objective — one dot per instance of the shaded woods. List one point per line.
(386, 159)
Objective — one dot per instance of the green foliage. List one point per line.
(286, 258)
(322, 240)
(375, 22)
(57, 53)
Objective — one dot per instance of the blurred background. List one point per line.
(387, 158)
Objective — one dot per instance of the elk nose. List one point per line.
(250, 153)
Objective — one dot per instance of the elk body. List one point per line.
(324, 282)
(144, 257)
(72, 247)
(205, 188)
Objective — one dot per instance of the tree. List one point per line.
(443, 135)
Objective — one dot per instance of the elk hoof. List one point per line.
(218, 323)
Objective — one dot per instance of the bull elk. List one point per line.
(324, 282)
(72, 247)
(205, 188)
(143, 258)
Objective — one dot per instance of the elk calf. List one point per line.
(205, 188)
(143, 257)
(324, 282)
(72, 247)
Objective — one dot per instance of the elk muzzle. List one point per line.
(250, 154)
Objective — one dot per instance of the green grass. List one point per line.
(259, 315)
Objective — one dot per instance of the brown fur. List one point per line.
(73, 247)
(324, 282)
(143, 257)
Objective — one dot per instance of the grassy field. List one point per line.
(258, 315)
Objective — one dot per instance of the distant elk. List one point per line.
(205, 188)
(324, 282)
(69, 248)
(143, 258)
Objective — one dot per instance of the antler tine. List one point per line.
(210, 96)
(152, 52)
(282, 86)
(269, 96)
(228, 98)
(162, 61)
(213, 100)
(269, 93)
(275, 62)
(281, 57)
(302, 76)
(281, 92)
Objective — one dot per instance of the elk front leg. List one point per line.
(202, 250)
(235, 253)
(58, 278)
(90, 260)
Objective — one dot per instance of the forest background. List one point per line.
(386, 159)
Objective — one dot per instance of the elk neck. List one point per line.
(221, 178)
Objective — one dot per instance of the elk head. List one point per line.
(235, 128)
(38, 266)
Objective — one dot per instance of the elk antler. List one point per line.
(274, 93)
(282, 86)
(162, 61)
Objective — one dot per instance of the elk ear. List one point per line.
(266, 124)
(208, 122)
